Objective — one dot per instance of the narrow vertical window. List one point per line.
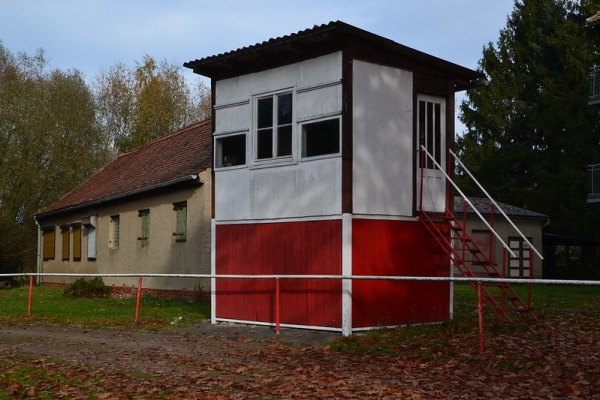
(274, 119)
(180, 221)
(145, 224)
(284, 125)
(264, 132)
(114, 232)
(48, 239)
(65, 232)
(76, 231)
(91, 242)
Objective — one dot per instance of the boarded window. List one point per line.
(180, 221)
(48, 239)
(115, 231)
(145, 224)
(321, 138)
(91, 242)
(65, 232)
(76, 230)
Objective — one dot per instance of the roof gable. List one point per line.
(325, 39)
(167, 160)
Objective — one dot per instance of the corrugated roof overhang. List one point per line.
(325, 39)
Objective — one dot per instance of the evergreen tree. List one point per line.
(530, 133)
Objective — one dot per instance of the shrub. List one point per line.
(94, 288)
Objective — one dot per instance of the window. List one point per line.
(65, 232)
(230, 151)
(114, 232)
(274, 126)
(145, 233)
(321, 138)
(430, 130)
(48, 238)
(91, 242)
(76, 230)
(518, 267)
(180, 221)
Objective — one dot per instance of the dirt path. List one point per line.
(241, 362)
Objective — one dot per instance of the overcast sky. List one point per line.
(94, 35)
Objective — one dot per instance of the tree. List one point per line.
(530, 133)
(151, 100)
(50, 141)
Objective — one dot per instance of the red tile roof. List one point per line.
(170, 159)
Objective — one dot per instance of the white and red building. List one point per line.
(316, 172)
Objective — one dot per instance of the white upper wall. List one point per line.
(294, 187)
(382, 170)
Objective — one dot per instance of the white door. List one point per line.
(431, 133)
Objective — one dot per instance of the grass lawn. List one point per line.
(553, 304)
(50, 304)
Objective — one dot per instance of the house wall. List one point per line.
(294, 188)
(382, 173)
(531, 228)
(162, 255)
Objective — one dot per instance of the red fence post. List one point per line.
(137, 301)
(30, 295)
(277, 328)
(480, 310)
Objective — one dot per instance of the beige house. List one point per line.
(146, 211)
(529, 223)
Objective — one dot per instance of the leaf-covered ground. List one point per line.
(559, 357)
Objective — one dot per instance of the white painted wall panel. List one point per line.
(311, 188)
(308, 188)
(305, 74)
(234, 118)
(318, 102)
(382, 170)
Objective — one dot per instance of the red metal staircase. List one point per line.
(472, 262)
(466, 255)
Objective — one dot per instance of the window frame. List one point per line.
(274, 159)
(144, 216)
(76, 233)
(65, 233)
(519, 266)
(303, 137)
(180, 233)
(115, 231)
(218, 160)
(431, 128)
(92, 237)
(48, 243)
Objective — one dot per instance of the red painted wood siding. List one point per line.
(280, 248)
(397, 248)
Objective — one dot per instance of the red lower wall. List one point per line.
(296, 248)
(402, 248)
(307, 248)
